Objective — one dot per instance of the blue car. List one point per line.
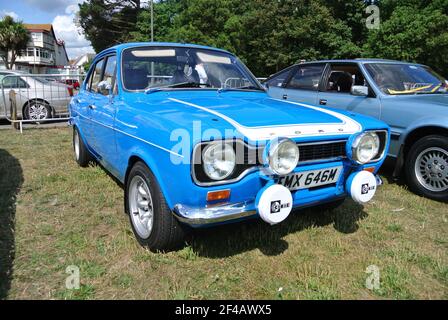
(411, 98)
(196, 141)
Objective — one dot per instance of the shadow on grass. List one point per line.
(228, 240)
(11, 179)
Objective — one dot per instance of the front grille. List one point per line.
(322, 151)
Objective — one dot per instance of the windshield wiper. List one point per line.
(188, 84)
(250, 87)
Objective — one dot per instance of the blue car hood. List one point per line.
(423, 99)
(259, 117)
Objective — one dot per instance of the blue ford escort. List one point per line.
(196, 141)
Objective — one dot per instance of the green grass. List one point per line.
(54, 214)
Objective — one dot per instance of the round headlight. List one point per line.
(365, 147)
(218, 160)
(283, 156)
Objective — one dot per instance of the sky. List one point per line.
(60, 13)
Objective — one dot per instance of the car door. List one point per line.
(303, 83)
(103, 112)
(85, 103)
(336, 91)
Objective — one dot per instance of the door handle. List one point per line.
(323, 102)
(92, 106)
(285, 97)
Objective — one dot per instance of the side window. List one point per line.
(307, 77)
(22, 83)
(9, 81)
(96, 76)
(279, 79)
(109, 70)
(343, 76)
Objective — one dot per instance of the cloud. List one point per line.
(12, 14)
(64, 26)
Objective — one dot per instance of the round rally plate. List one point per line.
(362, 186)
(274, 203)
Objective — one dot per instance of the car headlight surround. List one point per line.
(282, 156)
(366, 147)
(219, 160)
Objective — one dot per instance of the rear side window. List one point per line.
(307, 77)
(109, 70)
(96, 76)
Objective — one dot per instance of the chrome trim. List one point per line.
(208, 215)
(220, 182)
(274, 145)
(377, 158)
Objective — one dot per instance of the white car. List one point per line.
(36, 97)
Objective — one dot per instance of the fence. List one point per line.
(36, 98)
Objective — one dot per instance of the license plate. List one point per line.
(310, 179)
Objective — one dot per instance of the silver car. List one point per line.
(36, 97)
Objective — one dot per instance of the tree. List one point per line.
(411, 34)
(13, 38)
(108, 22)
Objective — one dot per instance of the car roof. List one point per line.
(360, 60)
(122, 46)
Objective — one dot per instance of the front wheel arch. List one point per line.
(411, 138)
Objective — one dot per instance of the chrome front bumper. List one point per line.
(214, 214)
(197, 216)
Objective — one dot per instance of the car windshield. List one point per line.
(152, 68)
(398, 78)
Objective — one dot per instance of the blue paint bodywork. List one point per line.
(134, 125)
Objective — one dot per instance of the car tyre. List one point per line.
(426, 167)
(37, 110)
(82, 155)
(151, 219)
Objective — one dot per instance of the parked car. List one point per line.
(196, 141)
(36, 97)
(409, 97)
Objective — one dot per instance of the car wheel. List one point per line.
(151, 219)
(37, 110)
(426, 167)
(82, 155)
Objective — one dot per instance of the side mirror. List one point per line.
(105, 88)
(362, 91)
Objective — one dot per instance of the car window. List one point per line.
(22, 83)
(9, 81)
(278, 79)
(96, 76)
(307, 77)
(109, 70)
(343, 76)
(184, 67)
(400, 78)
